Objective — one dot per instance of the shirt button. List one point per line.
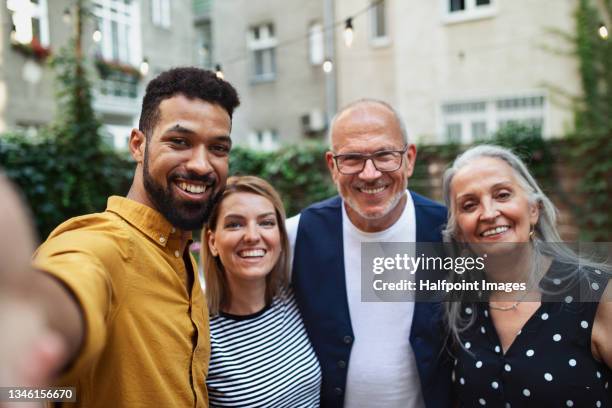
(342, 364)
(162, 239)
(347, 339)
(177, 254)
(338, 391)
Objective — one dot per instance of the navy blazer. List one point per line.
(318, 280)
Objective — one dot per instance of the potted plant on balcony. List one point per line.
(34, 49)
(108, 69)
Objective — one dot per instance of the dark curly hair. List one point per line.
(194, 83)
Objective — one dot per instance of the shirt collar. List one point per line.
(144, 218)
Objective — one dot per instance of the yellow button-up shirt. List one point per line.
(146, 338)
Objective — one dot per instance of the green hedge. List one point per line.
(299, 173)
(60, 183)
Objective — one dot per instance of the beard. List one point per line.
(187, 216)
(352, 203)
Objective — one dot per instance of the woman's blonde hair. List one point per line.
(218, 294)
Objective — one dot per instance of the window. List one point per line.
(462, 10)
(117, 136)
(468, 121)
(119, 49)
(313, 122)
(265, 140)
(262, 44)
(453, 132)
(378, 19)
(118, 22)
(205, 44)
(30, 21)
(315, 43)
(479, 130)
(160, 13)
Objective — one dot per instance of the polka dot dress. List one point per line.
(549, 364)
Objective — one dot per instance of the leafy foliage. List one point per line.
(66, 170)
(298, 173)
(529, 145)
(591, 147)
(53, 179)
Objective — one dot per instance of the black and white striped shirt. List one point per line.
(263, 360)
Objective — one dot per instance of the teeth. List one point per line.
(252, 253)
(496, 230)
(192, 188)
(372, 190)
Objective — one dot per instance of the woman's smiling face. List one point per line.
(246, 238)
(489, 203)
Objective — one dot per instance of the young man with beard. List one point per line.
(119, 289)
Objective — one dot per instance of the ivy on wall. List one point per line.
(66, 170)
(591, 145)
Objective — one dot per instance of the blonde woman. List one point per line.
(260, 352)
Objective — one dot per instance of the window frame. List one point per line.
(377, 40)
(470, 13)
(492, 115)
(265, 43)
(127, 22)
(161, 15)
(266, 140)
(316, 43)
(23, 12)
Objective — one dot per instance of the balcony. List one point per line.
(117, 90)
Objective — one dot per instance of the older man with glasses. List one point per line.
(383, 354)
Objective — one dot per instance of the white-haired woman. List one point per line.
(549, 345)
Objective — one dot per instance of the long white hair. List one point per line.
(546, 240)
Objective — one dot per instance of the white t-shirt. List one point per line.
(382, 370)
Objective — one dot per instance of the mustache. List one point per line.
(207, 179)
(376, 184)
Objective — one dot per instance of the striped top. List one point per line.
(264, 359)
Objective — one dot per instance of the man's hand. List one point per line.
(29, 351)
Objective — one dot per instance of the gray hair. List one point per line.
(546, 241)
(545, 228)
(367, 101)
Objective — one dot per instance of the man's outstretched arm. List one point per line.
(41, 324)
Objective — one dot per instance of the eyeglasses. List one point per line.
(384, 161)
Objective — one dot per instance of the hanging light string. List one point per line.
(348, 34)
(342, 22)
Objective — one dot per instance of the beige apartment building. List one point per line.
(264, 50)
(126, 41)
(456, 70)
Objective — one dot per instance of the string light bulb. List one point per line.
(97, 34)
(67, 16)
(219, 72)
(603, 31)
(144, 67)
(328, 66)
(348, 32)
